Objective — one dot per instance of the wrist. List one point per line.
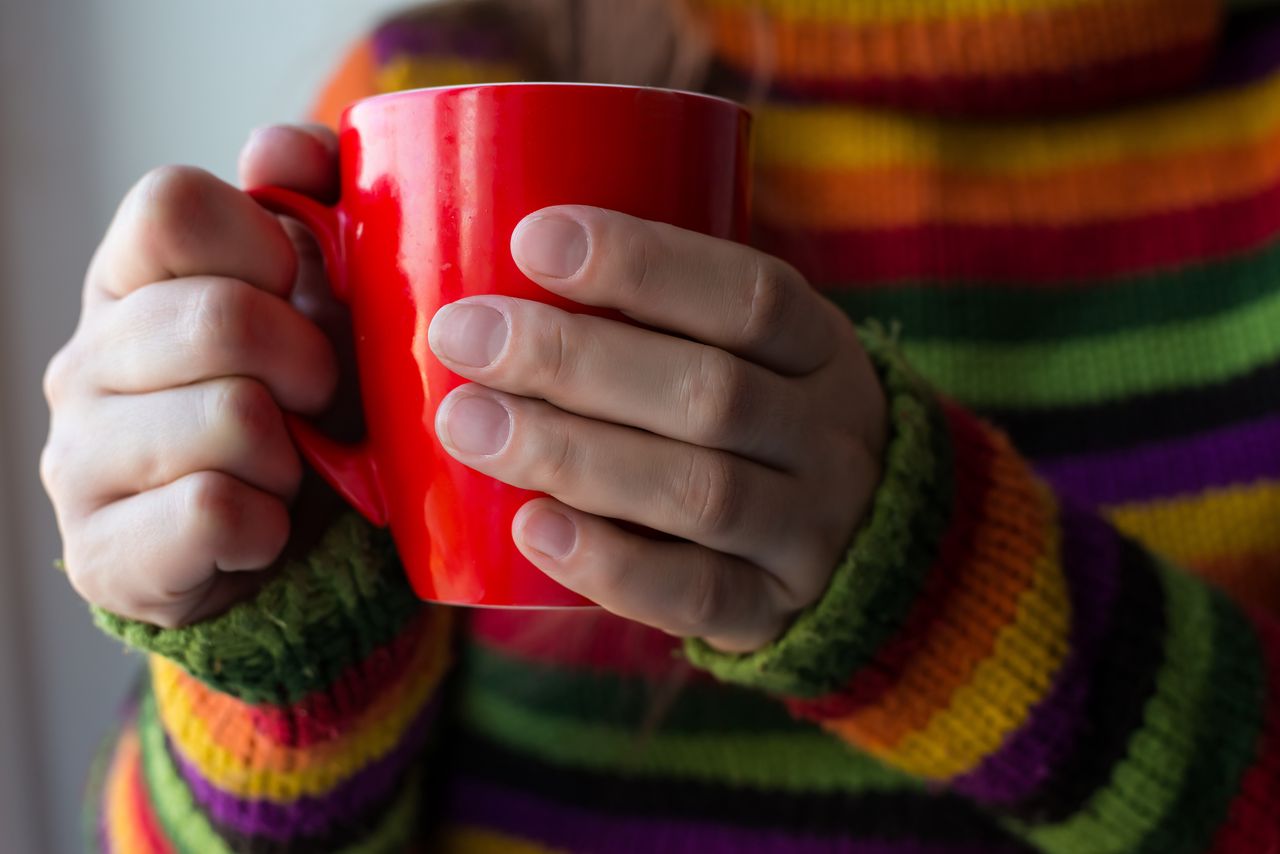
(884, 566)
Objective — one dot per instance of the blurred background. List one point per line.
(93, 93)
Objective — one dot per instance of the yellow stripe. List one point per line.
(846, 138)
(369, 740)
(885, 11)
(1236, 520)
(1006, 686)
(408, 73)
(473, 840)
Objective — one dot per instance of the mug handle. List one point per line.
(349, 469)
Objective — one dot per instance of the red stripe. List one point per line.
(147, 823)
(328, 713)
(1252, 826)
(972, 485)
(1075, 255)
(1076, 89)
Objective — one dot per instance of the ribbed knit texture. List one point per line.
(1068, 211)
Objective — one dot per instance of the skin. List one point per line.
(750, 443)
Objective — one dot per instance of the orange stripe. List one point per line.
(896, 196)
(230, 725)
(965, 633)
(354, 79)
(131, 828)
(1055, 41)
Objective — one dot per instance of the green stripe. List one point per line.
(1226, 737)
(592, 696)
(1143, 787)
(976, 312)
(1104, 368)
(174, 805)
(809, 761)
(190, 830)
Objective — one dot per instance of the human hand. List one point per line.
(167, 459)
(746, 420)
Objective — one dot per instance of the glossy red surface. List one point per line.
(433, 183)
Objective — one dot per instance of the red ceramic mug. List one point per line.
(433, 182)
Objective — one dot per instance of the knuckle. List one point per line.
(770, 303)
(707, 599)
(93, 580)
(85, 579)
(718, 398)
(639, 264)
(53, 468)
(213, 507)
(558, 461)
(222, 327)
(611, 574)
(711, 499)
(58, 375)
(175, 205)
(246, 410)
(553, 348)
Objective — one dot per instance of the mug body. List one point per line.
(433, 183)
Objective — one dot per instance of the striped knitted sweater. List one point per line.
(1057, 630)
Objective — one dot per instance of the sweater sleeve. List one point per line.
(293, 722)
(297, 721)
(986, 636)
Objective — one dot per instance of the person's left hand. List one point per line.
(752, 429)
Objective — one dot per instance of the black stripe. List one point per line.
(1123, 672)
(1065, 431)
(915, 816)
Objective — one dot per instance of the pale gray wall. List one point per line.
(92, 94)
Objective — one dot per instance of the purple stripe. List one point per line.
(522, 815)
(309, 816)
(418, 39)
(1237, 454)
(104, 838)
(1247, 55)
(1034, 753)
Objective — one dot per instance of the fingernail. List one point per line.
(553, 246)
(551, 533)
(470, 334)
(476, 424)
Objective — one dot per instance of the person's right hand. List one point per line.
(168, 462)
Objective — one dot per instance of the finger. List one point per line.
(680, 588)
(303, 158)
(156, 556)
(180, 221)
(202, 328)
(722, 501)
(231, 425)
(715, 291)
(615, 372)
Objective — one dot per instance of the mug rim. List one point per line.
(542, 84)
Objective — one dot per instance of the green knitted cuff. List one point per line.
(317, 617)
(884, 568)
